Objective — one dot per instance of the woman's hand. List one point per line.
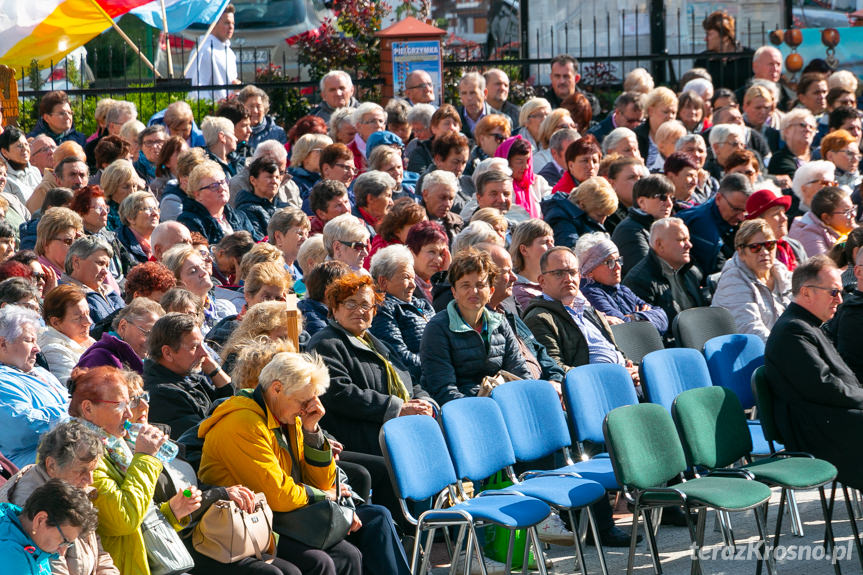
(416, 407)
(344, 491)
(336, 447)
(149, 439)
(181, 505)
(50, 279)
(243, 497)
(356, 524)
(313, 411)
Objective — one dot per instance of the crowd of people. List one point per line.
(145, 274)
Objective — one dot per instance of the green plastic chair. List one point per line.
(646, 453)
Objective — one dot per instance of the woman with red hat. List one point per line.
(771, 206)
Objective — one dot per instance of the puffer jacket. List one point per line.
(567, 220)
(304, 179)
(20, 553)
(314, 315)
(358, 401)
(267, 130)
(816, 237)
(455, 358)
(400, 325)
(754, 306)
(196, 217)
(244, 445)
(258, 210)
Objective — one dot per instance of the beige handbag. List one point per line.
(489, 382)
(227, 534)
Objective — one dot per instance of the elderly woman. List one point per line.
(691, 111)
(429, 245)
(125, 345)
(530, 240)
(831, 218)
(124, 479)
(808, 180)
(600, 266)
(69, 452)
(368, 118)
(180, 121)
(346, 239)
(559, 119)
(238, 437)
(259, 204)
(305, 166)
(87, 267)
(660, 106)
(264, 127)
(530, 118)
(812, 93)
(529, 188)
(288, 230)
(171, 201)
(489, 133)
(466, 342)
(340, 129)
(67, 333)
(118, 181)
(622, 141)
(696, 147)
(52, 520)
(798, 130)
(89, 203)
(32, 400)
(139, 216)
(206, 209)
(374, 196)
(369, 384)
(584, 210)
(190, 272)
(221, 143)
(771, 206)
(58, 229)
(667, 136)
(582, 162)
(389, 160)
(401, 317)
(842, 149)
(754, 286)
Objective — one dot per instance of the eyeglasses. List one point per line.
(215, 186)
(135, 402)
(355, 245)
(538, 115)
(379, 121)
(420, 85)
(612, 263)
(153, 143)
(43, 149)
(851, 153)
(832, 291)
(821, 182)
(563, 273)
(119, 405)
(63, 113)
(66, 544)
(849, 213)
(149, 210)
(67, 241)
(756, 247)
(38, 277)
(99, 209)
(499, 138)
(205, 255)
(805, 125)
(144, 332)
(346, 167)
(353, 306)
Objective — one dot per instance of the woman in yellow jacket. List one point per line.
(125, 481)
(255, 438)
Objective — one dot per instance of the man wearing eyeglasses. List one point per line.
(817, 398)
(714, 223)
(628, 113)
(56, 119)
(419, 88)
(553, 170)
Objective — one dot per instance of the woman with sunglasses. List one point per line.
(58, 228)
(830, 219)
(754, 286)
(489, 133)
(601, 266)
(125, 345)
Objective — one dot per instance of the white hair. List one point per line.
(13, 320)
(271, 149)
(659, 227)
(842, 79)
(212, 126)
(765, 50)
(474, 77)
(814, 170)
(616, 136)
(796, 116)
(295, 371)
(421, 113)
(387, 261)
(720, 133)
(474, 233)
(336, 74)
(363, 109)
(700, 86)
(440, 178)
(488, 164)
(345, 228)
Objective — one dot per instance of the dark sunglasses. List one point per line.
(769, 245)
(661, 197)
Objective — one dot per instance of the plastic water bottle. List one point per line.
(168, 450)
(300, 289)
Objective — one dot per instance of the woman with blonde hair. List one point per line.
(532, 114)
(660, 106)
(559, 119)
(58, 228)
(270, 319)
(494, 218)
(188, 268)
(119, 180)
(588, 206)
(139, 216)
(305, 166)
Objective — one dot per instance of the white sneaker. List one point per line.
(553, 531)
(491, 566)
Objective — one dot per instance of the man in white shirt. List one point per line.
(215, 63)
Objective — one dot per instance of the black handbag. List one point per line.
(320, 525)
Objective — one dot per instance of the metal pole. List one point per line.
(657, 39)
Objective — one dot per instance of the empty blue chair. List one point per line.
(668, 372)
(420, 468)
(590, 392)
(480, 446)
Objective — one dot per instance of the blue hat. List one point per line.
(382, 138)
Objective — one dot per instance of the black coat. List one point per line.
(631, 236)
(844, 330)
(196, 217)
(358, 401)
(258, 210)
(818, 401)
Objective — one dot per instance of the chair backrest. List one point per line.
(533, 415)
(764, 402)
(731, 359)
(712, 426)
(643, 444)
(636, 339)
(477, 437)
(668, 372)
(694, 326)
(593, 390)
(416, 457)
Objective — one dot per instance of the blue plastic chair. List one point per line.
(731, 360)
(668, 372)
(590, 392)
(420, 469)
(480, 446)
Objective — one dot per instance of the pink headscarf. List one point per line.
(521, 186)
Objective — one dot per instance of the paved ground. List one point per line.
(673, 543)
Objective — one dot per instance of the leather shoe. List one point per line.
(675, 516)
(612, 537)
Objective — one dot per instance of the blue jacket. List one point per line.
(314, 315)
(130, 243)
(258, 210)
(567, 220)
(620, 301)
(267, 130)
(27, 232)
(712, 237)
(29, 407)
(456, 358)
(196, 217)
(400, 325)
(20, 554)
(74, 135)
(602, 129)
(304, 179)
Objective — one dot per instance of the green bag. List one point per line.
(497, 538)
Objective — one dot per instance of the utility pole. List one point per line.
(657, 39)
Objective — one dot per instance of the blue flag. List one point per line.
(180, 13)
